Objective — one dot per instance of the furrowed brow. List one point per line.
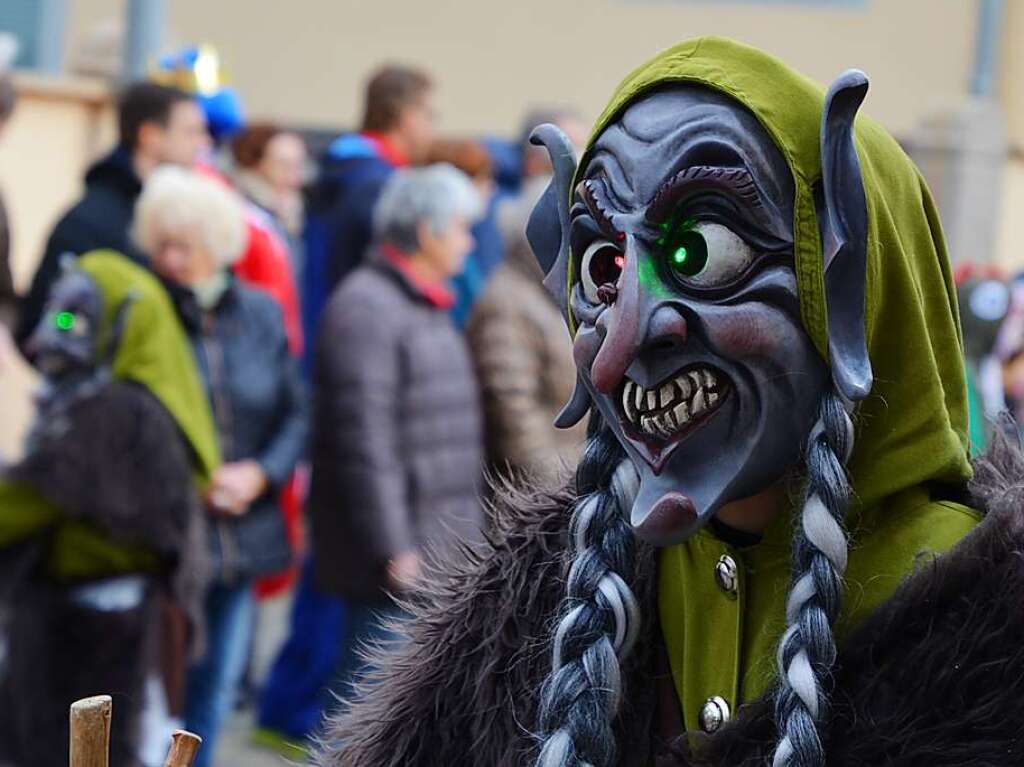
(592, 193)
(736, 181)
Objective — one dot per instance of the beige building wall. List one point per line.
(1011, 81)
(1011, 231)
(57, 128)
(306, 60)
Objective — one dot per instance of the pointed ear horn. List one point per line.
(548, 234)
(576, 408)
(120, 322)
(843, 221)
(548, 228)
(67, 262)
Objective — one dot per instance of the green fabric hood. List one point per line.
(154, 350)
(912, 428)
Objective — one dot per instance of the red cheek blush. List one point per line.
(744, 334)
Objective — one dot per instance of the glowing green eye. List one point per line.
(703, 254)
(64, 320)
(687, 252)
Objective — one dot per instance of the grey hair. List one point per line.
(807, 649)
(600, 617)
(434, 195)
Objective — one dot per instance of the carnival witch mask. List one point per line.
(64, 341)
(67, 341)
(674, 262)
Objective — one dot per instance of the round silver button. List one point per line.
(726, 575)
(714, 713)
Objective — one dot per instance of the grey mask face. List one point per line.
(683, 295)
(65, 340)
(689, 338)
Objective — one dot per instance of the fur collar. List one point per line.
(935, 676)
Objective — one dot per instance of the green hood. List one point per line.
(154, 350)
(912, 428)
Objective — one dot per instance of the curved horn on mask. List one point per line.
(577, 406)
(548, 228)
(843, 221)
(548, 234)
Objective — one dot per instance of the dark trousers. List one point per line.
(213, 682)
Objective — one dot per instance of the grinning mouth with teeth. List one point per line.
(674, 405)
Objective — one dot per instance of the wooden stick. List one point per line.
(90, 732)
(184, 747)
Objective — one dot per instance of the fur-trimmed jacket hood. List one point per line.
(935, 676)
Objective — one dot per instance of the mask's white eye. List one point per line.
(706, 255)
(601, 265)
(81, 327)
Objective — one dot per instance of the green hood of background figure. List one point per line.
(912, 428)
(154, 350)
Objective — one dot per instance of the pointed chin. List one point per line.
(670, 518)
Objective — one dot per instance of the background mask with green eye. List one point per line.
(687, 330)
(65, 343)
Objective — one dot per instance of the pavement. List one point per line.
(236, 749)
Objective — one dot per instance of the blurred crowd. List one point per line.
(262, 371)
(992, 321)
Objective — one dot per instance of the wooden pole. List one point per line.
(184, 747)
(90, 732)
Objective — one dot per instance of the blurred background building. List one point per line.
(943, 72)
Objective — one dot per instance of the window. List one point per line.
(38, 26)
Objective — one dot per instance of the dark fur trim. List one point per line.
(61, 652)
(934, 677)
(477, 652)
(117, 458)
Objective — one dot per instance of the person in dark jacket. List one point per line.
(396, 430)
(397, 130)
(192, 227)
(157, 125)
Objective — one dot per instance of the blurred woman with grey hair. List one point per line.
(192, 228)
(396, 445)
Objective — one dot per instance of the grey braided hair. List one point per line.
(600, 617)
(807, 649)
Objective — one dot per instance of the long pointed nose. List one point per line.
(620, 326)
(628, 330)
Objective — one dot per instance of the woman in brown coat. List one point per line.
(517, 337)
